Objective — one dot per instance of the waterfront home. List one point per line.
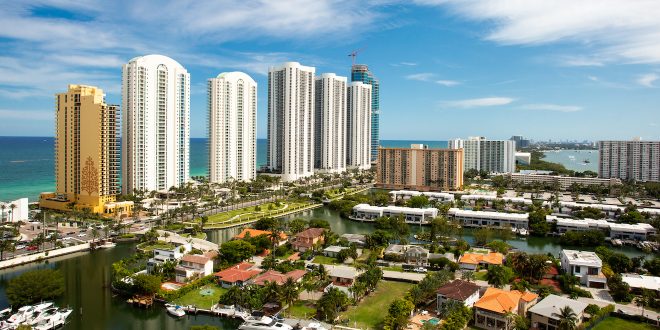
(236, 275)
(308, 239)
(249, 232)
(432, 196)
(410, 254)
(193, 266)
(466, 293)
(545, 314)
(637, 231)
(638, 282)
(277, 277)
(476, 219)
(490, 311)
(333, 251)
(475, 259)
(162, 255)
(357, 239)
(415, 216)
(488, 200)
(342, 278)
(584, 265)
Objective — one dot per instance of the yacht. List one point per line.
(175, 310)
(26, 313)
(257, 322)
(54, 321)
(107, 245)
(39, 316)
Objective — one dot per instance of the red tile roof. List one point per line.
(311, 233)
(277, 277)
(237, 273)
(257, 232)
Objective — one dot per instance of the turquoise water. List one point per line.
(574, 159)
(26, 163)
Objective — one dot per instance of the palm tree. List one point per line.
(3, 207)
(567, 318)
(6, 246)
(12, 207)
(288, 292)
(271, 291)
(95, 234)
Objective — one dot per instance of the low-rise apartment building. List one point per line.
(397, 195)
(584, 265)
(564, 182)
(472, 219)
(366, 212)
(637, 231)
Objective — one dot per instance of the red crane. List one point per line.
(354, 54)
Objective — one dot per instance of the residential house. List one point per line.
(410, 254)
(308, 239)
(545, 314)
(584, 265)
(461, 291)
(638, 282)
(333, 251)
(474, 260)
(256, 232)
(342, 278)
(236, 275)
(277, 277)
(357, 239)
(490, 311)
(162, 255)
(193, 267)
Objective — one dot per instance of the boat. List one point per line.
(514, 230)
(523, 232)
(107, 245)
(39, 316)
(54, 321)
(26, 313)
(175, 310)
(314, 326)
(262, 322)
(586, 161)
(5, 314)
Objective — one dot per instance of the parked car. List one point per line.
(32, 248)
(82, 234)
(20, 246)
(420, 270)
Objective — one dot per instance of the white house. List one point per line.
(638, 282)
(333, 251)
(464, 292)
(546, 314)
(163, 255)
(193, 267)
(585, 265)
(19, 211)
(469, 218)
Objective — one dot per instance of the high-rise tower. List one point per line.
(360, 72)
(358, 128)
(86, 151)
(232, 127)
(330, 123)
(291, 120)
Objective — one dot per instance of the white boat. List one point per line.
(56, 320)
(107, 245)
(314, 326)
(523, 232)
(25, 314)
(175, 310)
(263, 323)
(39, 316)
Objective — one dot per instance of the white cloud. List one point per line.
(593, 78)
(551, 107)
(648, 79)
(609, 30)
(426, 76)
(447, 83)
(478, 102)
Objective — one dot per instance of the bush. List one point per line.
(34, 286)
(595, 318)
(583, 238)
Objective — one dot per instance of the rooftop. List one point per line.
(582, 258)
(310, 233)
(256, 232)
(277, 277)
(458, 290)
(551, 305)
(237, 273)
(493, 258)
(195, 259)
(501, 301)
(642, 281)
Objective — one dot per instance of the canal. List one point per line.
(95, 307)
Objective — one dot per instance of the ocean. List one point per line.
(26, 163)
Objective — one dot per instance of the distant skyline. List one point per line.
(559, 70)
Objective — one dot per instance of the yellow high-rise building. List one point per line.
(86, 153)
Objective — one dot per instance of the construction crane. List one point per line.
(355, 53)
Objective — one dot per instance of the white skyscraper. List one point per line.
(358, 126)
(232, 120)
(330, 123)
(629, 160)
(492, 156)
(156, 124)
(291, 120)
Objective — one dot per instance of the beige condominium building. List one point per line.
(420, 168)
(86, 153)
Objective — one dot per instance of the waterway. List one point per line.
(95, 307)
(574, 159)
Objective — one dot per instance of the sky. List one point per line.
(559, 70)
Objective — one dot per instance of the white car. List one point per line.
(66, 238)
(20, 246)
(419, 270)
(82, 234)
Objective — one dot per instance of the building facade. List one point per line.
(562, 182)
(86, 151)
(358, 126)
(330, 123)
(584, 265)
(156, 124)
(291, 121)
(419, 168)
(360, 72)
(492, 156)
(232, 127)
(629, 160)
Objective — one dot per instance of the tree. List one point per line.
(418, 201)
(6, 246)
(398, 314)
(483, 235)
(468, 275)
(236, 251)
(619, 262)
(319, 223)
(499, 246)
(331, 303)
(567, 318)
(289, 292)
(266, 223)
(34, 286)
(499, 276)
(297, 225)
(146, 284)
(619, 289)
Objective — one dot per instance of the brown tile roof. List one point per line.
(277, 277)
(237, 273)
(458, 290)
(310, 233)
(195, 259)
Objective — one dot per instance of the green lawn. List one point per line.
(371, 311)
(613, 323)
(302, 309)
(194, 297)
(158, 245)
(249, 213)
(323, 260)
(480, 276)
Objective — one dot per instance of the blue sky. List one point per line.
(560, 69)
